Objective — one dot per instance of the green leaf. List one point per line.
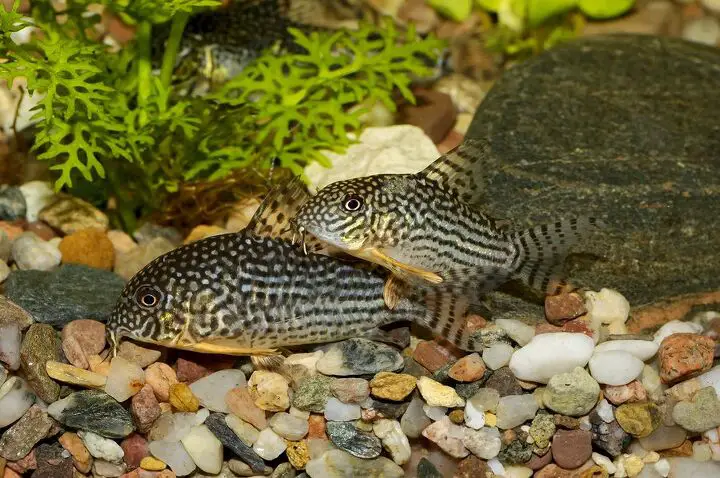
(605, 9)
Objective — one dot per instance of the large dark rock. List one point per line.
(625, 128)
(66, 293)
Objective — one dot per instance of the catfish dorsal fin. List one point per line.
(461, 169)
(280, 205)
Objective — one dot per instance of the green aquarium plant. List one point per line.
(527, 27)
(114, 125)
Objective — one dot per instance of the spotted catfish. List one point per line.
(249, 293)
(428, 231)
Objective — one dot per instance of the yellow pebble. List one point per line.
(651, 457)
(182, 398)
(490, 419)
(633, 465)
(150, 463)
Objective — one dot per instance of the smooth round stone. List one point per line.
(289, 427)
(539, 360)
(497, 355)
(247, 433)
(520, 332)
(642, 349)
(32, 253)
(211, 390)
(664, 438)
(359, 357)
(705, 30)
(573, 394)
(335, 410)
(615, 367)
(16, 398)
(204, 448)
(269, 445)
(514, 410)
(676, 327)
(607, 306)
(173, 453)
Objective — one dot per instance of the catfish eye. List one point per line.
(353, 203)
(148, 296)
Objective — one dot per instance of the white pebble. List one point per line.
(180, 425)
(514, 410)
(676, 327)
(393, 440)
(662, 467)
(539, 360)
(125, 379)
(435, 413)
(10, 340)
(606, 306)
(496, 467)
(585, 423)
(497, 355)
(681, 467)
(704, 30)
(211, 390)
(173, 453)
(30, 252)
(712, 5)
(605, 462)
(269, 445)
(101, 447)
(204, 448)
(37, 195)
(615, 367)
(642, 349)
(701, 451)
(337, 411)
(288, 426)
(517, 471)
(520, 332)
(15, 399)
(650, 379)
(201, 415)
(484, 443)
(474, 414)
(605, 411)
(307, 360)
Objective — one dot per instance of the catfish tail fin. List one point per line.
(542, 250)
(446, 316)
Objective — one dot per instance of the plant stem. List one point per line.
(172, 47)
(144, 67)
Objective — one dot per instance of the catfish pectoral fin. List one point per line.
(398, 268)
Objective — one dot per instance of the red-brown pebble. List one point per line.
(431, 355)
(9, 473)
(145, 408)
(631, 392)
(81, 456)
(241, 404)
(28, 462)
(135, 447)
(475, 322)
(468, 369)
(563, 307)
(190, 372)
(683, 356)
(571, 448)
(12, 230)
(43, 231)
(90, 247)
(160, 377)
(81, 339)
(572, 326)
(316, 427)
(471, 467)
(537, 462)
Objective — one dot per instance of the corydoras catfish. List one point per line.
(428, 231)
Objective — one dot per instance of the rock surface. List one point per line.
(67, 293)
(93, 411)
(587, 159)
